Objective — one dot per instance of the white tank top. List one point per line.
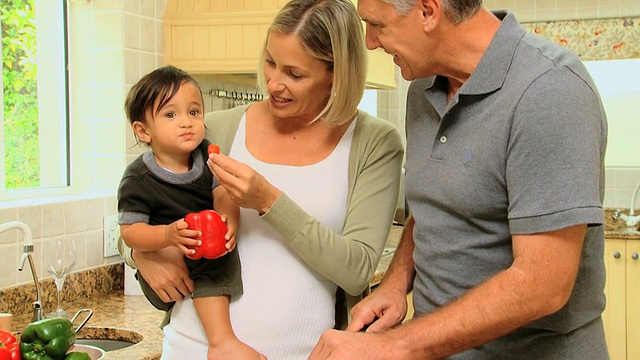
(286, 305)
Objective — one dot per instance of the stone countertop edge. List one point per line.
(120, 314)
(625, 234)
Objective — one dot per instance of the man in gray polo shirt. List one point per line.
(506, 137)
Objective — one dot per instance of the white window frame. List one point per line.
(53, 119)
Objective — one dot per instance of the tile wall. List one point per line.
(114, 43)
(549, 10)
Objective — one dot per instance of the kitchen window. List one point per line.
(35, 146)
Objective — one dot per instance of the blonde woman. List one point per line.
(316, 179)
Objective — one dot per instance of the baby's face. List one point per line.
(177, 128)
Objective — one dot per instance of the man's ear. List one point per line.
(141, 132)
(431, 14)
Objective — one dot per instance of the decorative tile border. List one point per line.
(599, 39)
(89, 283)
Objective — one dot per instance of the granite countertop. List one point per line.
(124, 317)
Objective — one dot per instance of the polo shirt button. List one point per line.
(443, 139)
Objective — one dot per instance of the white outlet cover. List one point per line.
(110, 242)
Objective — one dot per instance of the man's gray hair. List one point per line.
(456, 10)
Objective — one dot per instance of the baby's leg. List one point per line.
(223, 343)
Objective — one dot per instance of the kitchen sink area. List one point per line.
(108, 338)
(105, 344)
(123, 327)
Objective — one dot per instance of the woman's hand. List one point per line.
(166, 273)
(245, 186)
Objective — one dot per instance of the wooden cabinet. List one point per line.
(226, 36)
(217, 36)
(622, 289)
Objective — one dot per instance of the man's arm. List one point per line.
(538, 283)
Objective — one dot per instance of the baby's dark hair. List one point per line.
(159, 86)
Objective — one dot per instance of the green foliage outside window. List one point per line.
(19, 72)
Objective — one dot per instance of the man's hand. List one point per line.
(166, 273)
(341, 345)
(381, 310)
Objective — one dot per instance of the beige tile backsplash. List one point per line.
(549, 10)
(80, 220)
(115, 42)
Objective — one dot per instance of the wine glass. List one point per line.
(60, 255)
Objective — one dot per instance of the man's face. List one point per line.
(400, 36)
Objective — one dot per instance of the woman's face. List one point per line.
(299, 84)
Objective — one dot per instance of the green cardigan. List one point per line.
(348, 259)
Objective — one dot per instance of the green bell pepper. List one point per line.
(47, 339)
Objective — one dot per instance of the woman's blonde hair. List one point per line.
(329, 30)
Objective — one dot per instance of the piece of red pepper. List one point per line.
(9, 348)
(213, 148)
(213, 230)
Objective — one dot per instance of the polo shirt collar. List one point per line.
(494, 65)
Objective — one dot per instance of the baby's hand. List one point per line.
(230, 236)
(179, 235)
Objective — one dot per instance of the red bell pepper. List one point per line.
(213, 230)
(9, 348)
(5, 354)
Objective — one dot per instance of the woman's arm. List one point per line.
(350, 259)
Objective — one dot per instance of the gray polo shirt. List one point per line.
(518, 150)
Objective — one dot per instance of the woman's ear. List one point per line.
(431, 14)
(141, 132)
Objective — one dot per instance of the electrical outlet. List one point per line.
(110, 241)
